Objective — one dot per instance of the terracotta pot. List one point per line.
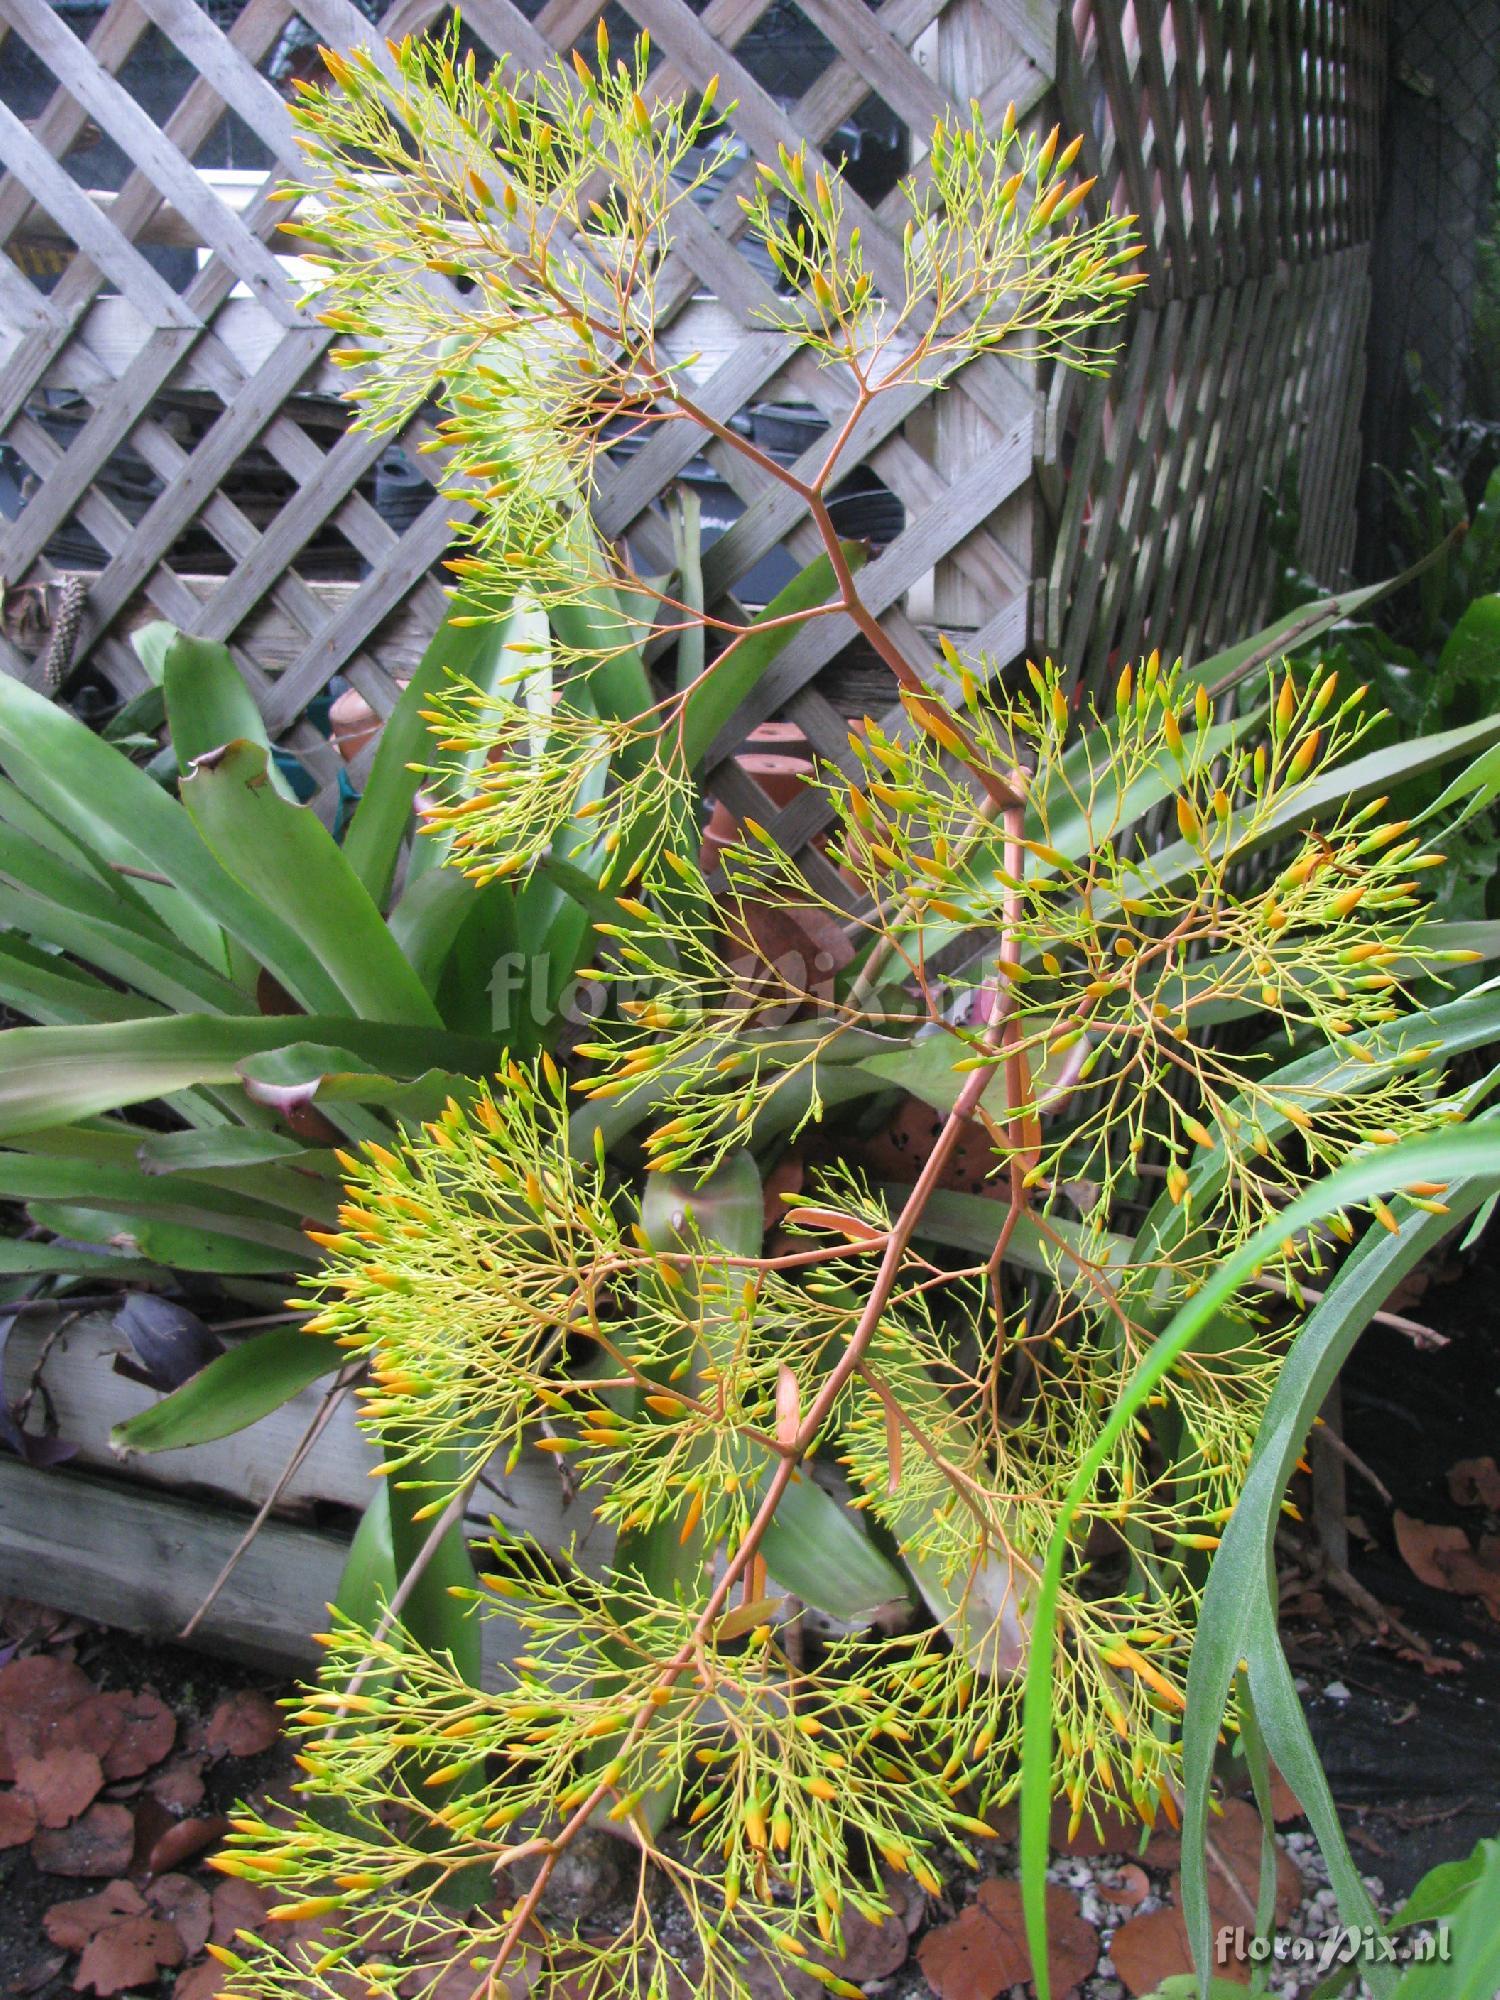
(353, 722)
(779, 776)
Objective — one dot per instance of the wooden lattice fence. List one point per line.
(1093, 519)
(170, 418)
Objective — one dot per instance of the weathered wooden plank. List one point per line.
(144, 1561)
(88, 1398)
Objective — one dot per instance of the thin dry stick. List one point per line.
(289, 1471)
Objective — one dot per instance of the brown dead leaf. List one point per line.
(101, 1843)
(59, 1783)
(1434, 1665)
(180, 1901)
(37, 1973)
(871, 1951)
(129, 1953)
(983, 1952)
(1285, 1805)
(237, 1906)
(42, 1686)
(1234, 1869)
(179, 1785)
(148, 1729)
(199, 1982)
(92, 1724)
(182, 1841)
(1116, 1833)
(72, 1924)
(1442, 1558)
(1475, 1482)
(1129, 1889)
(17, 1819)
(243, 1725)
(1146, 1950)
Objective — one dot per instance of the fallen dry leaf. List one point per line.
(1234, 1869)
(183, 1903)
(237, 1906)
(148, 1729)
(198, 1982)
(17, 1819)
(72, 1924)
(871, 1951)
(59, 1783)
(1285, 1805)
(1146, 1950)
(182, 1841)
(129, 1953)
(127, 1732)
(37, 1973)
(179, 1785)
(1442, 1558)
(1475, 1482)
(100, 1843)
(983, 1952)
(42, 1686)
(243, 1725)
(1130, 1888)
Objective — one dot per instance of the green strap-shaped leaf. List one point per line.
(53, 993)
(234, 1391)
(287, 859)
(121, 815)
(49, 1076)
(382, 818)
(209, 705)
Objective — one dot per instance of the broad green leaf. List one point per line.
(129, 1190)
(1436, 1036)
(309, 1070)
(368, 1581)
(1472, 1969)
(229, 1146)
(286, 857)
(687, 531)
(426, 921)
(40, 1259)
(175, 1241)
(1443, 1889)
(159, 972)
(209, 705)
(48, 989)
(1473, 646)
(1477, 786)
(151, 643)
(820, 1550)
(235, 1390)
(383, 816)
(1456, 1156)
(121, 815)
(973, 1222)
(49, 1076)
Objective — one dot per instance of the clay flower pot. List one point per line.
(354, 724)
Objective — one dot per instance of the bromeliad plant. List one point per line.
(1047, 1401)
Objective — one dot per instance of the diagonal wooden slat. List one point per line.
(1246, 138)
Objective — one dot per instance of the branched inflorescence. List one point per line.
(1156, 954)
